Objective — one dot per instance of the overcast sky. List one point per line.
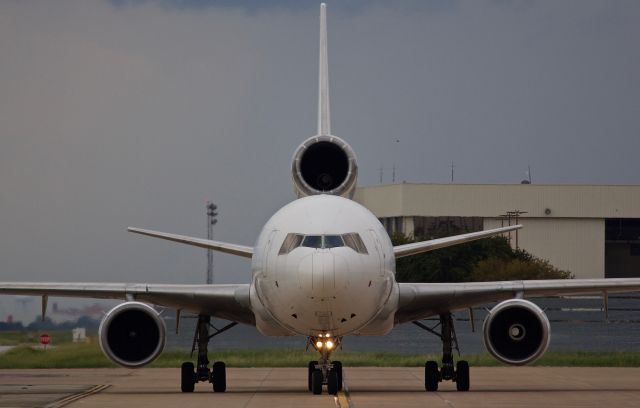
(134, 113)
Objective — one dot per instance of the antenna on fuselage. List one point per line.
(324, 117)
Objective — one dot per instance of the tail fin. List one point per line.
(324, 116)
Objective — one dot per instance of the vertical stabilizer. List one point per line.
(324, 119)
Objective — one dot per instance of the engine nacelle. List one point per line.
(324, 165)
(132, 334)
(516, 332)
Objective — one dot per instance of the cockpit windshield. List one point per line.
(312, 241)
(351, 240)
(332, 241)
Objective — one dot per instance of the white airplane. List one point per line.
(324, 267)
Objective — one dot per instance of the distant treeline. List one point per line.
(490, 259)
(49, 325)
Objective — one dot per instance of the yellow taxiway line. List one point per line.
(72, 398)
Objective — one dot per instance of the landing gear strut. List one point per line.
(324, 371)
(459, 373)
(217, 375)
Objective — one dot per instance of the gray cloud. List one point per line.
(136, 114)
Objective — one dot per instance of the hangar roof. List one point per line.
(492, 200)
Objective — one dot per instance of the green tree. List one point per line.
(483, 260)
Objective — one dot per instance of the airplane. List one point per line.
(323, 267)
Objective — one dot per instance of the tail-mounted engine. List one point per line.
(132, 334)
(324, 165)
(516, 332)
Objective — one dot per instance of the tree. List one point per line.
(482, 260)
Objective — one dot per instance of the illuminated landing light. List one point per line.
(318, 344)
(329, 344)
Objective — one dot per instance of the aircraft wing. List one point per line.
(426, 246)
(422, 300)
(233, 249)
(229, 302)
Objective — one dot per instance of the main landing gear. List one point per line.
(324, 371)
(458, 373)
(217, 376)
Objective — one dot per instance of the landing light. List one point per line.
(329, 344)
(319, 344)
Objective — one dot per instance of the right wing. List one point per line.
(229, 302)
(233, 249)
(421, 300)
(426, 246)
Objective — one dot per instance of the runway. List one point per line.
(286, 387)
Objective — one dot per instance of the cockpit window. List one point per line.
(291, 242)
(333, 241)
(312, 241)
(353, 241)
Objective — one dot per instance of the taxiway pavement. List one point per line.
(287, 387)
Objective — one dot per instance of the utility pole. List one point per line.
(211, 221)
(513, 215)
(452, 168)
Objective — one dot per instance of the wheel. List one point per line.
(312, 366)
(462, 376)
(316, 382)
(332, 382)
(337, 365)
(187, 377)
(219, 377)
(431, 376)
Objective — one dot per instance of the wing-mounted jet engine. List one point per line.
(132, 334)
(324, 165)
(516, 332)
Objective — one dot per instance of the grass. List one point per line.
(14, 338)
(70, 355)
(66, 354)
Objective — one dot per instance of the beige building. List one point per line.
(592, 231)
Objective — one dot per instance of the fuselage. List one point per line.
(323, 264)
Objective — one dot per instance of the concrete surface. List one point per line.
(286, 387)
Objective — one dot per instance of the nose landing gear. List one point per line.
(324, 371)
(459, 373)
(217, 376)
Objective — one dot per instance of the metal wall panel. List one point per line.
(576, 245)
(490, 200)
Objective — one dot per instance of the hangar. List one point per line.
(591, 230)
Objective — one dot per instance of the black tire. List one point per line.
(312, 367)
(316, 382)
(431, 376)
(462, 376)
(219, 377)
(332, 382)
(337, 365)
(187, 377)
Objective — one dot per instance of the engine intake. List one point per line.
(516, 332)
(324, 165)
(132, 334)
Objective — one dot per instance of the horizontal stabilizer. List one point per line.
(426, 246)
(233, 249)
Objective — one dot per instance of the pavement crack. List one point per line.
(262, 380)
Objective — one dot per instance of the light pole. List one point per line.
(211, 221)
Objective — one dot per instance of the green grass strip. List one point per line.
(70, 355)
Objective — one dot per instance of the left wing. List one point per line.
(425, 246)
(421, 300)
(229, 302)
(233, 249)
